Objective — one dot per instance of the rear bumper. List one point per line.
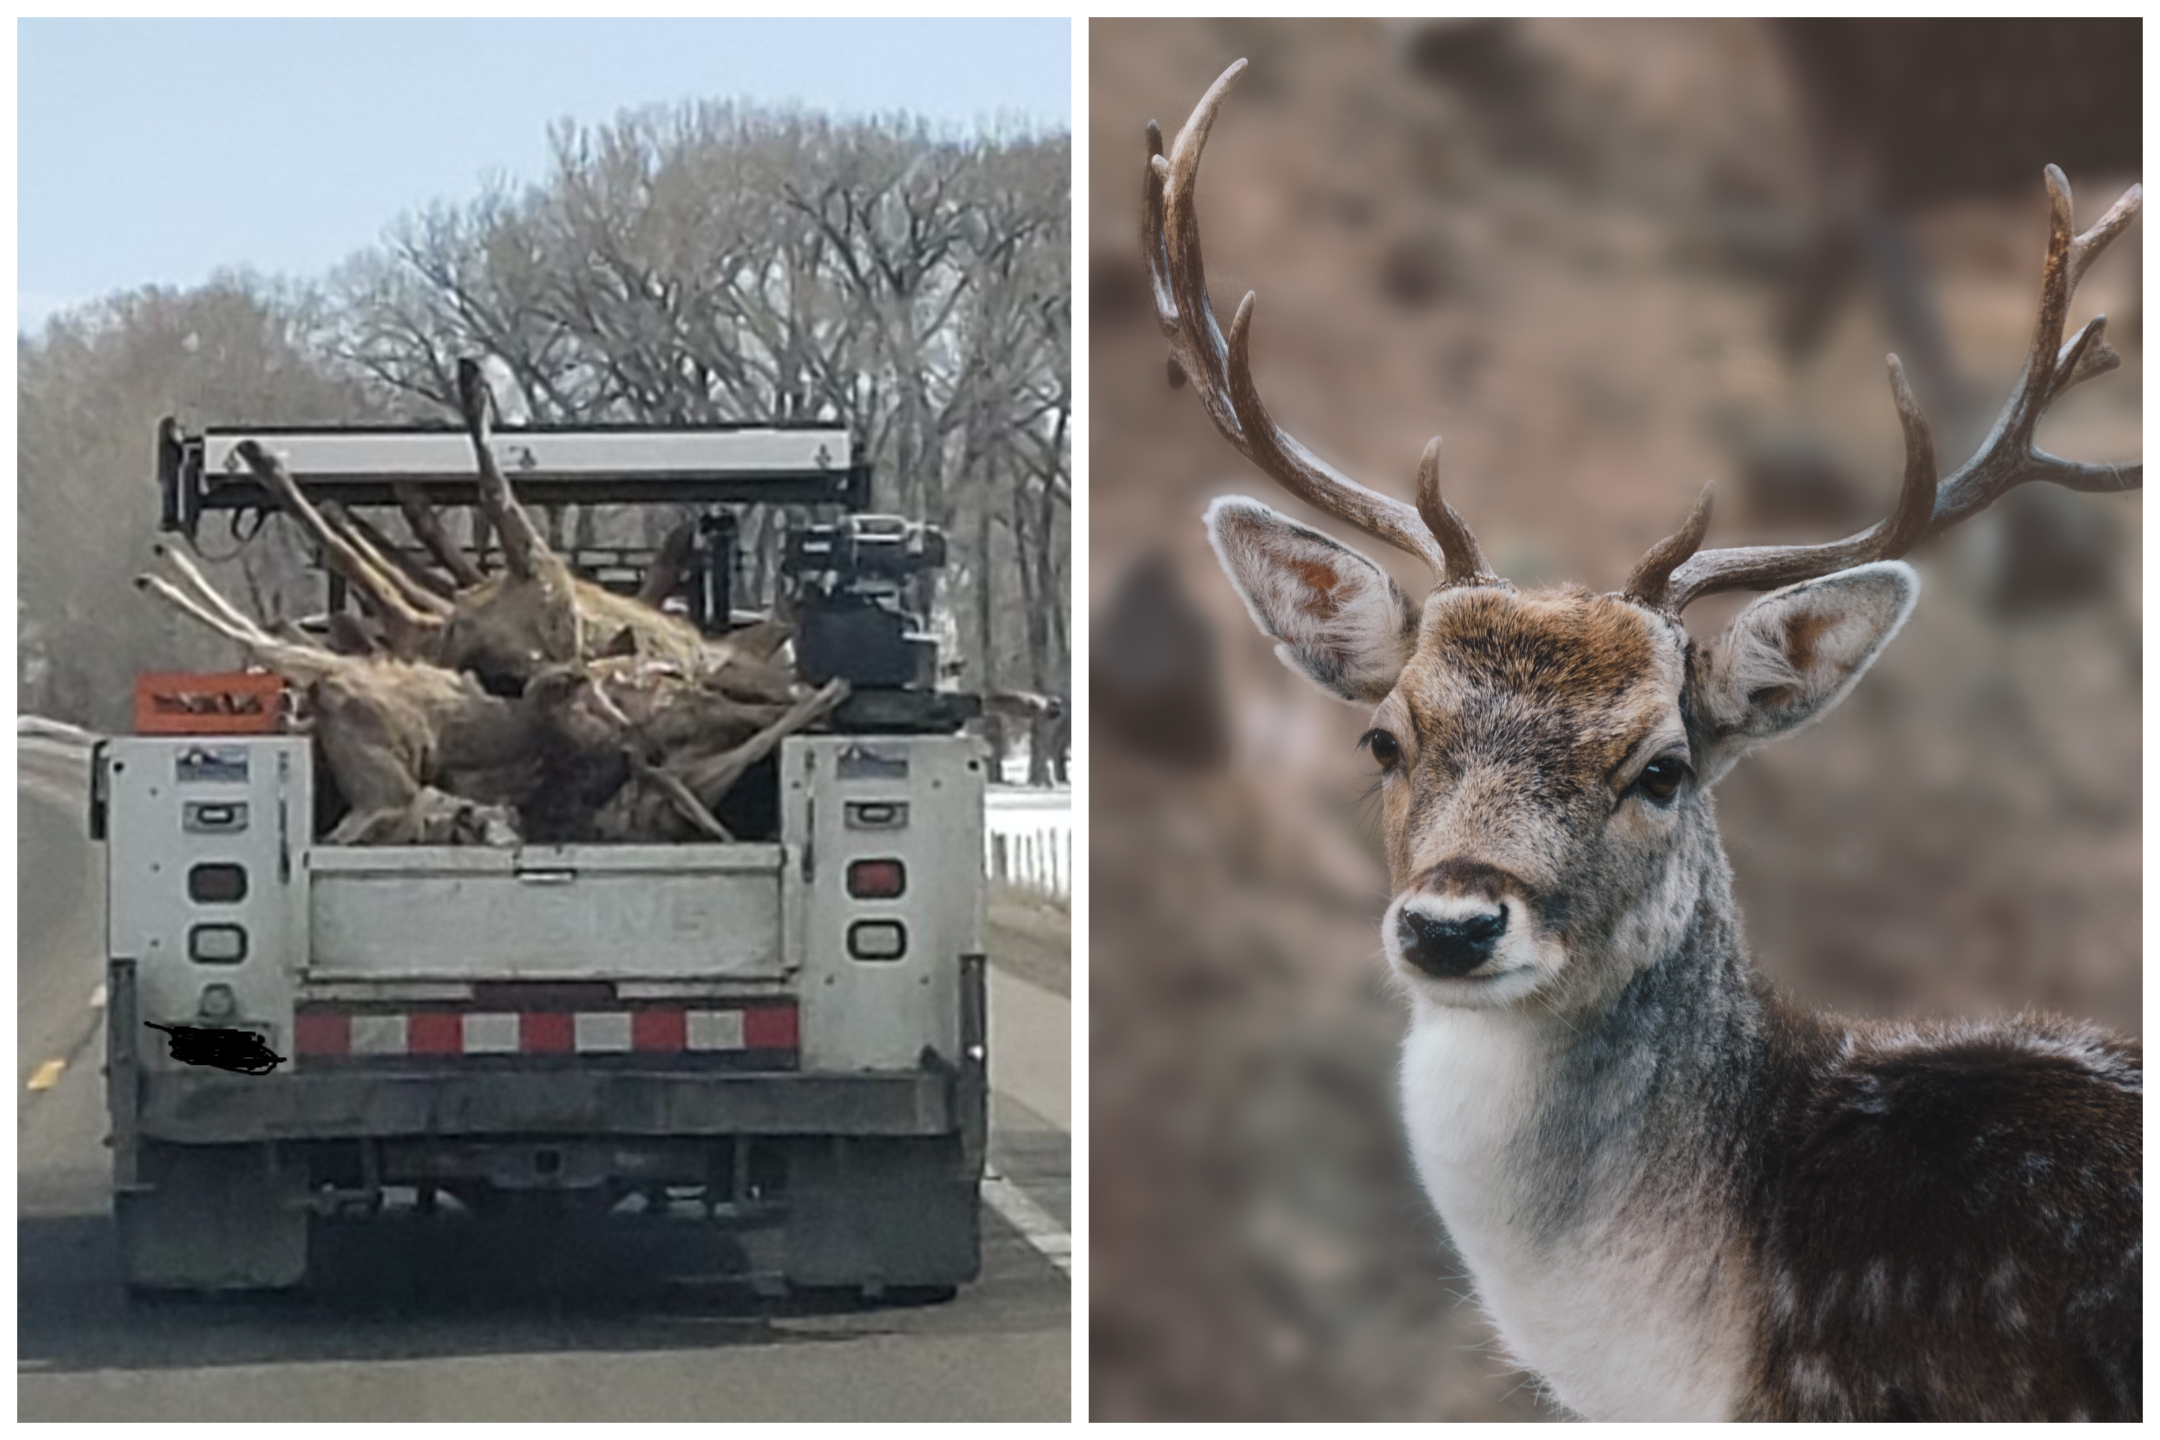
(216, 1109)
(561, 1097)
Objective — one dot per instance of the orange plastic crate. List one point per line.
(226, 702)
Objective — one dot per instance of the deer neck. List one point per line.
(1554, 1121)
(1585, 1163)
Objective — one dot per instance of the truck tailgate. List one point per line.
(587, 912)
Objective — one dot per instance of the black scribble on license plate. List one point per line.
(243, 1051)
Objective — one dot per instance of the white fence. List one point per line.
(1027, 840)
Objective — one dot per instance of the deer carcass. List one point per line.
(1681, 1196)
(505, 627)
(419, 753)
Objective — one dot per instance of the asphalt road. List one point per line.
(406, 1318)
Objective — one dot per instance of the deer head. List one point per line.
(1546, 758)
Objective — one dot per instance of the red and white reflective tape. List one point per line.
(649, 1030)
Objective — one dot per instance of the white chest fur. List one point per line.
(1623, 1320)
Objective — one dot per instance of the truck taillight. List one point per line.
(876, 879)
(217, 883)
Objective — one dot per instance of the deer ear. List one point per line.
(1342, 622)
(1792, 655)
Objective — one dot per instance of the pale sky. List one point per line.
(159, 151)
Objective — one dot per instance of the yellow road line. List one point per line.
(47, 1075)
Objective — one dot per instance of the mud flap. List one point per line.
(213, 1217)
(881, 1214)
(888, 1214)
(194, 1217)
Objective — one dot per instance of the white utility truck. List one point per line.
(785, 1033)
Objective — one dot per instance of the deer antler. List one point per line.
(1222, 370)
(1673, 574)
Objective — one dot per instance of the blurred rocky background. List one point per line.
(1607, 261)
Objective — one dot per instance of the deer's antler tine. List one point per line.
(1908, 523)
(2104, 230)
(2031, 396)
(1170, 237)
(1306, 475)
(1151, 232)
(1648, 581)
(1156, 253)
(1465, 562)
(2085, 355)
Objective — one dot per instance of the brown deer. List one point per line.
(421, 754)
(1680, 1196)
(619, 748)
(506, 627)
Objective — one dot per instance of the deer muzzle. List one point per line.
(1448, 946)
(1454, 921)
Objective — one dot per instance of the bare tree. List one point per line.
(90, 391)
(715, 263)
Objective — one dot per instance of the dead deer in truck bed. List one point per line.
(1680, 1196)
(421, 754)
(534, 613)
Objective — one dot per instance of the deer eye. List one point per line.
(1661, 778)
(1383, 747)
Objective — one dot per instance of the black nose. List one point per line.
(1452, 947)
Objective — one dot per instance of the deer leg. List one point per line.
(422, 586)
(752, 643)
(342, 557)
(712, 777)
(667, 567)
(302, 663)
(754, 683)
(522, 545)
(204, 592)
(705, 719)
(422, 601)
(240, 626)
(684, 800)
(427, 528)
(365, 827)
